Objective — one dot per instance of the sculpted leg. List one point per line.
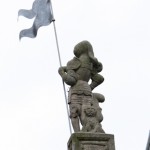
(74, 116)
(75, 124)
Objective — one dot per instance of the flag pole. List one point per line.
(58, 51)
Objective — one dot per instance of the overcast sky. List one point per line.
(32, 105)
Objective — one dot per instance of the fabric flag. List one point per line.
(41, 10)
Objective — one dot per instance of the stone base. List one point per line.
(91, 141)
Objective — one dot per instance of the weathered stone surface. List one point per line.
(91, 141)
(83, 103)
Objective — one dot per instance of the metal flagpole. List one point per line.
(61, 66)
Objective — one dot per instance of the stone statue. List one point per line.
(83, 104)
(93, 115)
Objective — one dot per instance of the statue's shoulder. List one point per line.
(73, 64)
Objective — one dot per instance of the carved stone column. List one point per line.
(91, 141)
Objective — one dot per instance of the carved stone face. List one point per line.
(85, 47)
(90, 112)
(82, 48)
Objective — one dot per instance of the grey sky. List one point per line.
(32, 106)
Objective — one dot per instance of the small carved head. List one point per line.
(85, 47)
(90, 111)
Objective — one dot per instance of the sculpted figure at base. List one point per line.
(93, 116)
(84, 108)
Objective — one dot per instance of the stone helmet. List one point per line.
(85, 47)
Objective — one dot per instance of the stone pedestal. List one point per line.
(91, 141)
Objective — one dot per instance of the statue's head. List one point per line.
(90, 111)
(85, 47)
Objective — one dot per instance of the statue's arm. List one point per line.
(97, 79)
(68, 76)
